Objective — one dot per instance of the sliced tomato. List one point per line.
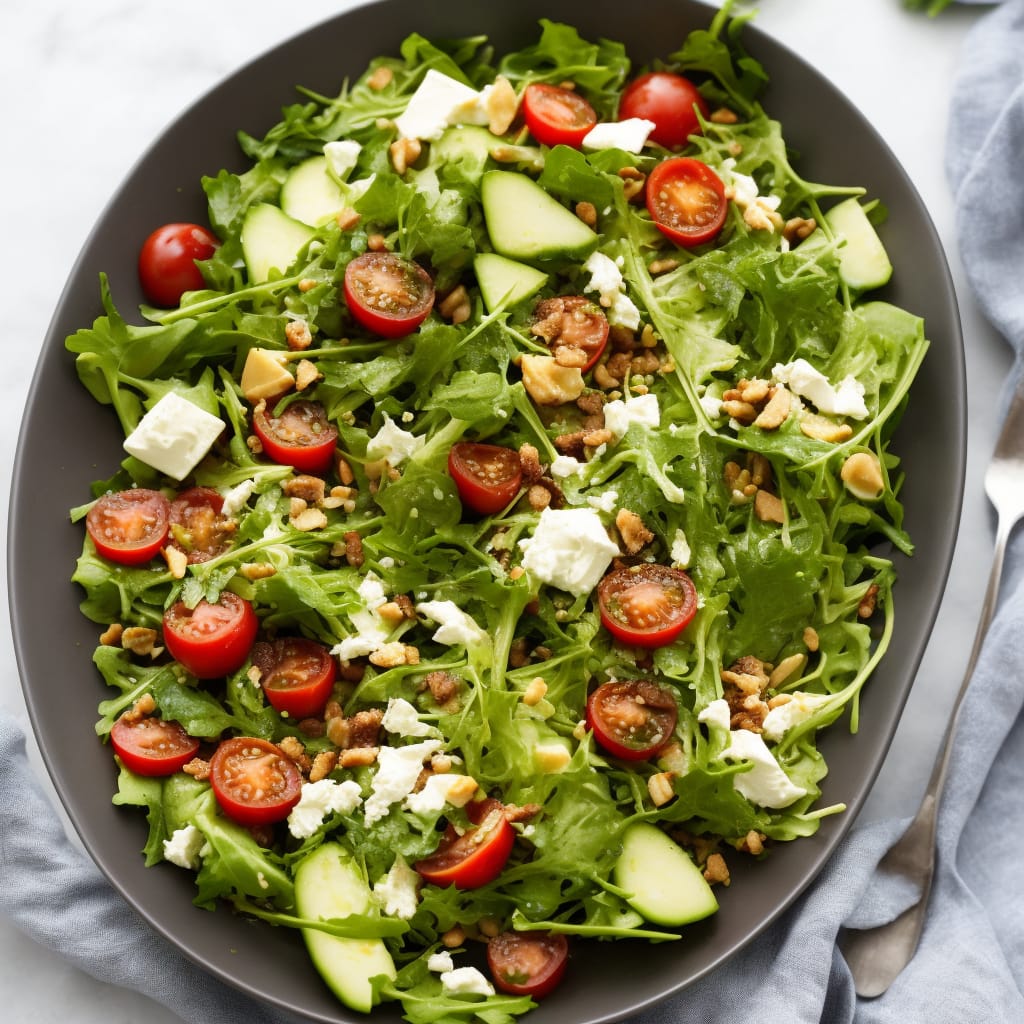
(487, 476)
(148, 745)
(686, 200)
(387, 294)
(129, 527)
(647, 605)
(296, 674)
(197, 525)
(167, 262)
(477, 856)
(301, 437)
(253, 781)
(668, 100)
(211, 640)
(528, 963)
(632, 719)
(557, 116)
(573, 327)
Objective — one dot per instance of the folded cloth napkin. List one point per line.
(970, 965)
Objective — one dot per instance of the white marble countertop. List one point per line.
(87, 86)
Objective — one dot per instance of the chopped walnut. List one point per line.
(323, 764)
(822, 429)
(443, 686)
(257, 570)
(310, 489)
(404, 153)
(354, 549)
(380, 78)
(364, 728)
(393, 654)
(635, 535)
(144, 706)
(769, 508)
(660, 788)
(140, 640)
(111, 636)
(744, 684)
(376, 242)
(752, 843)
(538, 497)
(587, 212)
(347, 218)
(198, 769)
(307, 519)
(529, 462)
(358, 757)
(500, 106)
(306, 375)
(866, 608)
(549, 383)
(176, 559)
(298, 335)
(716, 871)
(796, 229)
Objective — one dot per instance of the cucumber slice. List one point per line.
(526, 223)
(469, 147)
(863, 261)
(666, 886)
(309, 193)
(328, 884)
(505, 281)
(271, 239)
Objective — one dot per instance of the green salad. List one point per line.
(505, 510)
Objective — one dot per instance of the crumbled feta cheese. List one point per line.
(439, 102)
(716, 714)
(765, 784)
(465, 981)
(604, 502)
(318, 799)
(236, 497)
(844, 399)
(680, 551)
(398, 890)
(564, 466)
(398, 768)
(623, 312)
(783, 717)
(440, 962)
(641, 410)
(393, 443)
(371, 591)
(403, 719)
(606, 280)
(455, 626)
(436, 792)
(184, 846)
(759, 212)
(173, 436)
(342, 157)
(570, 549)
(359, 646)
(629, 134)
(712, 406)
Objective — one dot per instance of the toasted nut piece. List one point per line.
(177, 561)
(394, 654)
(306, 374)
(111, 637)
(776, 412)
(453, 938)
(376, 242)
(662, 266)
(308, 519)
(139, 640)
(798, 228)
(309, 488)
(723, 115)
(323, 764)
(716, 870)
(632, 530)
(866, 608)
(754, 391)
(307, 284)
(822, 429)
(862, 474)
(587, 212)
(739, 410)
(347, 218)
(456, 306)
(145, 705)
(811, 638)
(660, 788)
(501, 106)
(298, 335)
(768, 508)
(358, 757)
(381, 78)
(535, 692)
(257, 570)
(198, 769)
(786, 668)
(548, 383)
(404, 153)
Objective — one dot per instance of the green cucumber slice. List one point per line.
(863, 261)
(505, 282)
(309, 193)
(271, 239)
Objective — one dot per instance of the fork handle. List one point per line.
(876, 956)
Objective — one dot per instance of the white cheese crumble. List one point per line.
(438, 103)
(398, 890)
(712, 406)
(403, 719)
(371, 591)
(641, 410)
(844, 399)
(606, 280)
(440, 962)
(766, 784)
(570, 549)
(342, 157)
(604, 502)
(455, 627)
(184, 847)
(716, 714)
(465, 981)
(235, 498)
(563, 466)
(319, 799)
(783, 717)
(173, 436)
(398, 768)
(629, 134)
(436, 793)
(680, 551)
(393, 443)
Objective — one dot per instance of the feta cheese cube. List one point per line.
(455, 626)
(629, 134)
(439, 102)
(319, 799)
(398, 768)
(398, 891)
(440, 962)
(342, 156)
(641, 410)
(570, 549)
(184, 847)
(393, 443)
(766, 784)
(465, 981)
(173, 436)
(844, 399)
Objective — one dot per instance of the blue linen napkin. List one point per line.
(970, 965)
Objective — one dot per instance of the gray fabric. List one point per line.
(970, 966)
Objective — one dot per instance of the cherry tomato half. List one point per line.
(197, 526)
(296, 674)
(668, 100)
(253, 781)
(632, 719)
(387, 294)
(527, 963)
(129, 527)
(152, 746)
(476, 857)
(487, 476)
(686, 200)
(301, 437)
(167, 262)
(573, 324)
(211, 640)
(557, 116)
(647, 605)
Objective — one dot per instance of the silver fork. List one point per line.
(876, 956)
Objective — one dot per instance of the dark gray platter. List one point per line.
(55, 466)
